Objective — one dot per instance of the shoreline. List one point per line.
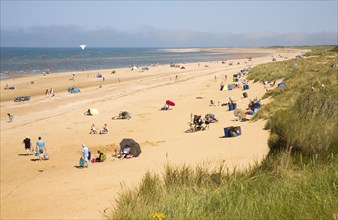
(229, 54)
(60, 121)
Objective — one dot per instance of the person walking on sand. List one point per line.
(51, 92)
(40, 148)
(28, 145)
(85, 155)
(10, 117)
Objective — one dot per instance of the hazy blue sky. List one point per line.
(168, 23)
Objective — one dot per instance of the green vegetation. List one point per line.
(282, 187)
(297, 180)
(304, 114)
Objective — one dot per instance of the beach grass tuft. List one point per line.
(284, 186)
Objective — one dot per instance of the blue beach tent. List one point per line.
(73, 90)
(281, 85)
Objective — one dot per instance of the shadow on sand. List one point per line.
(35, 159)
(79, 167)
(24, 154)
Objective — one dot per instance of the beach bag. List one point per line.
(89, 155)
(103, 157)
(82, 162)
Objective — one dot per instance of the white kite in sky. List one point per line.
(83, 46)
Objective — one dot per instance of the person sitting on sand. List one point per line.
(165, 107)
(234, 132)
(126, 152)
(233, 102)
(254, 105)
(207, 121)
(101, 157)
(198, 122)
(88, 112)
(92, 129)
(117, 152)
(104, 130)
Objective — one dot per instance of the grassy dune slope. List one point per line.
(298, 179)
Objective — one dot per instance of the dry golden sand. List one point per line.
(56, 189)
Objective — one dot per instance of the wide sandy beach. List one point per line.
(57, 189)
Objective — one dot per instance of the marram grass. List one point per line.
(303, 116)
(283, 187)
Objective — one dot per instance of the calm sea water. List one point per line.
(37, 60)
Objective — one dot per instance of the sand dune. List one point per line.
(56, 189)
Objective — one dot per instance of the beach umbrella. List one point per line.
(171, 103)
(135, 148)
(94, 111)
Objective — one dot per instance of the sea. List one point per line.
(16, 60)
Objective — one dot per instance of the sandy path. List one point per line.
(56, 189)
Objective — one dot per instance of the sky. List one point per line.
(45, 23)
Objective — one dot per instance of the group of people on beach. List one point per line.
(86, 158)
(196, 122)
(103, 130)
(50, 92)
(39, 150)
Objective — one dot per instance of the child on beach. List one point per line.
(92, 129)
(10, 117)
(51, 92)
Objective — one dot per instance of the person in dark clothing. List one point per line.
(28, 145)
